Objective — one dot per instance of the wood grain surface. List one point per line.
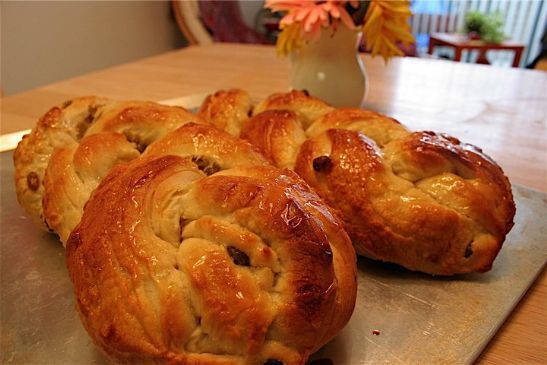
(504, 111)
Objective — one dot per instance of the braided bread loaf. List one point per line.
(423, 200)
(245, 266)
(184, 244)
(64, 126)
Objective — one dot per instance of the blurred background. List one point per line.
(47, 41)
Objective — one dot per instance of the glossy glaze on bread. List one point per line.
(65, 125)
(419, 199)
(244, 266)
(184, 244)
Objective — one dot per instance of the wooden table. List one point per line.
(461, 42)
(502, 110)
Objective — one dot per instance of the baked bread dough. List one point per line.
(74, 172)
(422, 200)
(184, 244)
(245, 266)
(64, 126)
(61, 126)
(307, 107)
(278, 134)
(426, 201)
(227, 110)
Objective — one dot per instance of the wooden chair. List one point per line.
(187, 16)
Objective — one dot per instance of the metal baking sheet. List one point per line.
(420, 319)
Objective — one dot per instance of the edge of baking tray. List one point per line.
(495, 330)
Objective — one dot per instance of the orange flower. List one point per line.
(311, 15)
(385, 23)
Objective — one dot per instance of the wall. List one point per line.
(249, 10)
(43, 42)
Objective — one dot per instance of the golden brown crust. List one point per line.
(74, 172)
(65, 125)
(481, 190)
(447, 220)
(422, 200)
(307, 107)
(211, 148)
(62, 126)
(172, 266)
(227, 110)
(278, 134)
(378, 127)
(142, 122)
(239, 267)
